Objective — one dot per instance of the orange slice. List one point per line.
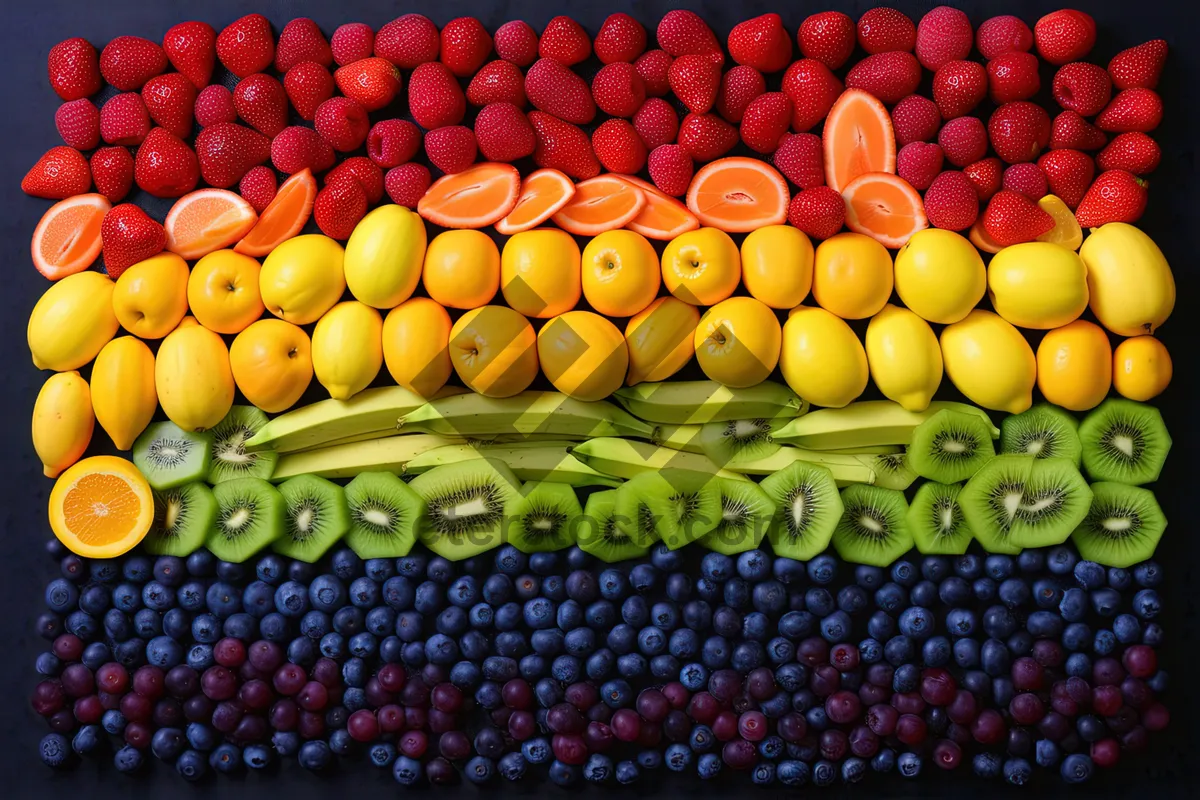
(1066, 230)
(600, 204)
(101, 507)
(67, 240)
(858, 138)
(207, 220)
(982, 240)
(284, 217)
(479, 196)
(738, 194)
(543, 193)
(885, 207)
(663, 217)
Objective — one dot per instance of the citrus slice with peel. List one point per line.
(478, 196)
(543, 193)
(858, 138)
(982, 239)
(738, 194)
(207, 220)
(600, 204)
(67, 239)
(1066, 230)
(101, 507)
(284, 217)
(885, 207)
(663, 217)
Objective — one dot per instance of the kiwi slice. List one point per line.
(1021, 501)
(672, 505)
(1125, 442)
(229, 457)
(738, 440)
(936, 520)
(950, 446)
(1122, 527)
(183, 516)
(546, 518)
(599, 533)
(316, 517)
(891, 470)
(467, 505)
(808, 508)
(250, 515)
(169, 456)
(746, 513)
(873, 529)
(1044, 431)
(384, 512)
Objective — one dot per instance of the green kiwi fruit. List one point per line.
(598, 531)
(1125, 442)
(738, 440)
(1021, 501)
(229, 457)
(807, 509)
(671, 505)
(384, 512)
(936, 520)
(891, 470)
(746, 513)
(1122, 527)
(467, 505)
(169, 456)
(250, 516)
(1044, 431)
(316, 517)
(873, 529)
(546, 518)
(183, 516)
(950, 446)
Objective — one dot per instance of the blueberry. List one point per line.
(554, 587)
(998, 567)
(1127, 629)
(364, 593)
(736, 593)
(127, 597)
(169, 570)
(578, 559)
(61, 595)
(884, 760)
(54, 749)
(918, 622)
(650, 641)
(1148, 574)
(1146, 603)
(381, 620)
(709, 590)
(201, 737)
(511, 767)
(601, 614)
(890, 597)
(1077, 768)
(967, 653)
(880, 626)
(1104, 642)
(1044, 624)
(925, 593)
(779, 650)
(819, 601)
(631, 665)
(105, 570)
(747, 656)
(1153, 635)
(147, 624)
(561, 774)
(510, 561)
(326, 593)
(836, 627)
(87, 740)
(548, 642)
(613, 584)
(452, 621)
(257, 756)
(190, 596)
(341, 743)
(544, 563)
(1106, 602)
(824, 774)
(715, 652)
(348, 620)
(756, 626)
(899, 650)
(1014, 593)
(229, 571)
(904, 573)
(793, 773)
(536, 751)
(164, 652)
(128, 759)
(935, 652)
(316, 756)
(697, 615)
(677, 757)
(852, 599)
(664, 616)
(909, 764)
(168, 743)
(708, 766)
(1079, 665)
(1061, 560)
(222, 598)
(95, 599)
(1046, 753)
(797, 625)
(994, 657)
(679, 587)
(407, 771)
(96, 655)
(635, 611)
(271, 568)
(200, 657)
(140, 569)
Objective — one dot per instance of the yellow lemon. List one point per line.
(821, 358)
(462, 269)
(302, 278)
(272, 364)
(539, 273)
(737, 342)
(62, 422)
(1131, 285)
(621, 274)
(494, 351)
(384, 255)
(1074, 365)
(701, 267)
(416, 345)
(152, 296)
(347, 348)
(1066, 231)
(583, 355)
(193, 378)
(777, 265)
(1141, 368)
(904, 357)
(123, 393)
(72, 321)
(660, 339)
(990, 362)
(852, 275)
(940, 276)
(1038, 285)
(223, 291)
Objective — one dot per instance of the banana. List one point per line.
(845, 469)
(877, 450)
(624, 458)
(553, 413)
(537, 461)
(869, 423)
(347, 460)
(697, 402)
(679, 437)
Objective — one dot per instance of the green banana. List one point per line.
(554, 413)
(877, 450)
(865, 424)
(679, 437)
(539, 461)
(624, 458)
(845, 469)
(697, 402)
(347, 460)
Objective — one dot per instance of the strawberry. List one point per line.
(685, 33)
(653, 66)
(301, 40)
(820, 212)
(618, 147)
(1068, 174)
(214, 104)
(391, 142)
(191, 47)
(959, 86)
(919, 163)
(498, 81)
(951, 202)
(245, 46)
(1012, 218)
(124, 120)
(407, 184)
(812, 88)
(434, 97)
(915, 119)
(889, 76)
(765, 121)
(74, 69)
(60, 173)
(298, 148)
(364, 171)
(656, 122)
(828, 37)
(355, 41)
(127, 62)
(620, 39)
(963, 140)
(986, 176)
(129, 235)
(165, 166)
(801, 159)
(1003, 34)
(343, 123)
(564, 40)
(1027, 179)
(944, 34)
(171, 101)
(503, 132)
(307, 85)
(465, 45)
(1013, 76)
(882, 30)
(1069, 130)
(1082, 87)
(261, 101)
(739, 86)
(555, 89)
(517, 43)
(1133, 152)
(1019, 131)
(671, 169)
(258, 187)
(1132, 110)
(563, 146)
(339, 207)
(695, 80)
(761, 43)
(78, 123)
(112, 172)
(1139, 67)
(227, 151)
(407, 41)
(1115, 196)
(618, 89)
(1064, 35)
(706, 136)
(372, 82)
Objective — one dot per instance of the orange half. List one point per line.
(543, 193)
(663, 217)
(101, 507)
(67, 240)
(207, 220)
(474, 198)
(885, 207)
(858, 138)
(600, 204)
(284, 217)
(738, 194)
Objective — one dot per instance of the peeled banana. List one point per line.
(536, 461)
(624, 458)
(697, 402)
(845, 469)
(348, 460)
(553, 413)
(869, 423)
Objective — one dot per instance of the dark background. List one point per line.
(29, 28)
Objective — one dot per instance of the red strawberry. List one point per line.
(801, 159)
(1132, 110)
(214, 104)
(434, 97)
(1082, 87)
(555, 89)
(1027, 179)
(618, 147)
(765, 121)
(564, 40)
(503, 132)
(60, 173)
(465, 45)
(951, 202)
(1019, 131)
(258, 187)
(78, 123)
(171, 101)
(1139, 67)
(620, 39)
(165, 166)
(363, 170)
(1069, 130)
(820, 212)
(407, 184)
(1064, 35)
(129, 235)
(1004, 34)
(985, 175)
(685, 33)
(74, 69)
(915, 119)
(391, 142)
(656, 122)
(739, 86)
(944, 34)
(671, 169)
(191, 48)
(301, 40)
(1013, 76)
(695, 80)
(517, 43)
(1012, 218)
(127, 62)
(1133, 152)
(355, 41)
(828, 37)
(1068, 174)
(407, 42)
(343, 123)
(618, 89)
(262, 103)
(563, 146)
(307, 85)
(919, 163)
(813, 89)
(959, 86)
(653, 66)
(761, 43)
(372, 82)
(882, 30)
(227, 151)
(246, 46)
(706, 136)
(339, 207)
(889, 76)
(963, 140)
(112, 172)
(1116, 196)
(498, 81)
(298, 148)
(124, 119)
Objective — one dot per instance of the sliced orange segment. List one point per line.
(67, 240)
(982, 240)
(1066, 230)
(663, 217)
(207, 220)
(885, 207)
(284, 217)
(543, 193)
(738, 194)
(101, 507)
(858, 138)
(600, 204)
(474, 198)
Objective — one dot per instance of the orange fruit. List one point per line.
(284, 217)
(885, 207)
(101, 507)
(620, 273)
(67, 240)
(540, 272)
(494, 351)
(1141, 368)
(858, 138)
(543, 193)
(1075, 365)
(600, 204)
(474, 198)
(207, 220)
(663, 217)
(738, 194)
(461, 269)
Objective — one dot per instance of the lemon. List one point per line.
(1038, 285)
(347, 348)
(1141, 368)
(852, 275)
(737, 342)
(193, 378)
(302, 278)
(990, 362)
(72, 321)
(123, 393)
(384, 256)
(821, 358)
(940, 276)
(416, 335)
(152, 295)
(904, 357)
(701, 267)
(1074, 365)
(583, 355)
(462, 269)
(1131, 285)
(1066, 231)
(62, 421)
(539, 273)
(621, 274)
(660, 339)
(777, 265)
